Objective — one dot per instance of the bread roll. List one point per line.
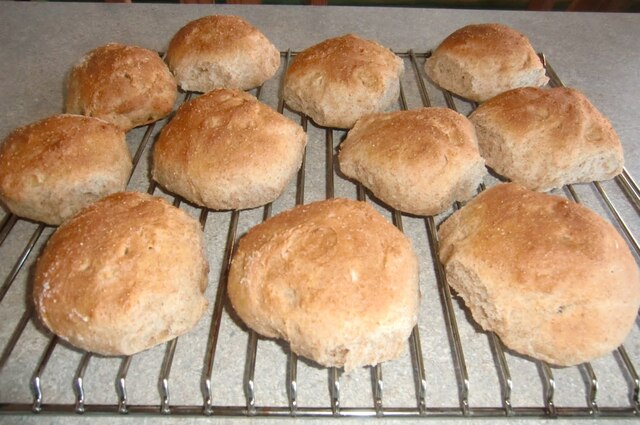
(333, 278)
(221, 51)
(478, 62)
(52, 168)
(551, 278)
(417, 161)
(341, 79)
(125, 85)
(226, 150)
(125, 274)
(546, 138)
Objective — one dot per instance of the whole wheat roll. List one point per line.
(333, 278)
(226, 150)
(481, 61)
(125, 85)
(54, 167)
(418, 161)
(221, 51)
(550, 277)
(547, 138)
(123, 275)
(341, 79)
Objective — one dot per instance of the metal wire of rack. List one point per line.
(419, 388)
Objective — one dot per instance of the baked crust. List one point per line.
(481, 61)
(125, 85)
(226, 150)
(546, 138)
(221, 51)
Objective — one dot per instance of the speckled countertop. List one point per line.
(597, 53)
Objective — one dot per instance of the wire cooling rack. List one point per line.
(451, 367)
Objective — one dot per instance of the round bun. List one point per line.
(124, 85)
(550, 277)
(125, 274)
(478, 62)
(226, 150)
(52, 168)
(333, 278)
(221, 51)
(418, 161)
(341, 79)
(546, 138)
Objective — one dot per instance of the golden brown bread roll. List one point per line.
(52, 168)
(341, 79)
(550, 277)
(546, 138)
(418, 161)
(125, 85)
(126, 273)
(480, 61)
(221, 51)
(333, 278)
(227, 150)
